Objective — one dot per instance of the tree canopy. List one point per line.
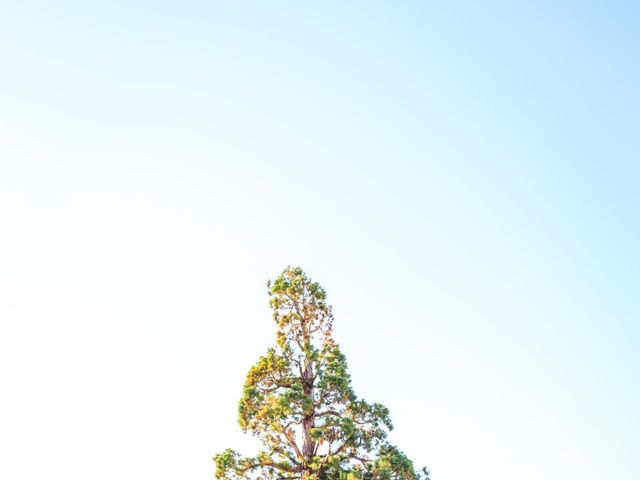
(298, 401)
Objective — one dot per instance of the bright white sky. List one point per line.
(462, 180)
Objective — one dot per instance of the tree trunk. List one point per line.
(308, 421)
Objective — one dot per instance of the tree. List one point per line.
(299, 402)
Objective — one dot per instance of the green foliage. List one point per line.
(298, 401)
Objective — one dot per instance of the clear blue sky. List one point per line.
(462, 177)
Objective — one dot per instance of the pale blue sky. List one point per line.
(462, 178)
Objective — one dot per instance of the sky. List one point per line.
(461, 177)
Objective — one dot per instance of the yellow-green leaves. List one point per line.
(297, 399)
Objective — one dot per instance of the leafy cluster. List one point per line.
(299, 402)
